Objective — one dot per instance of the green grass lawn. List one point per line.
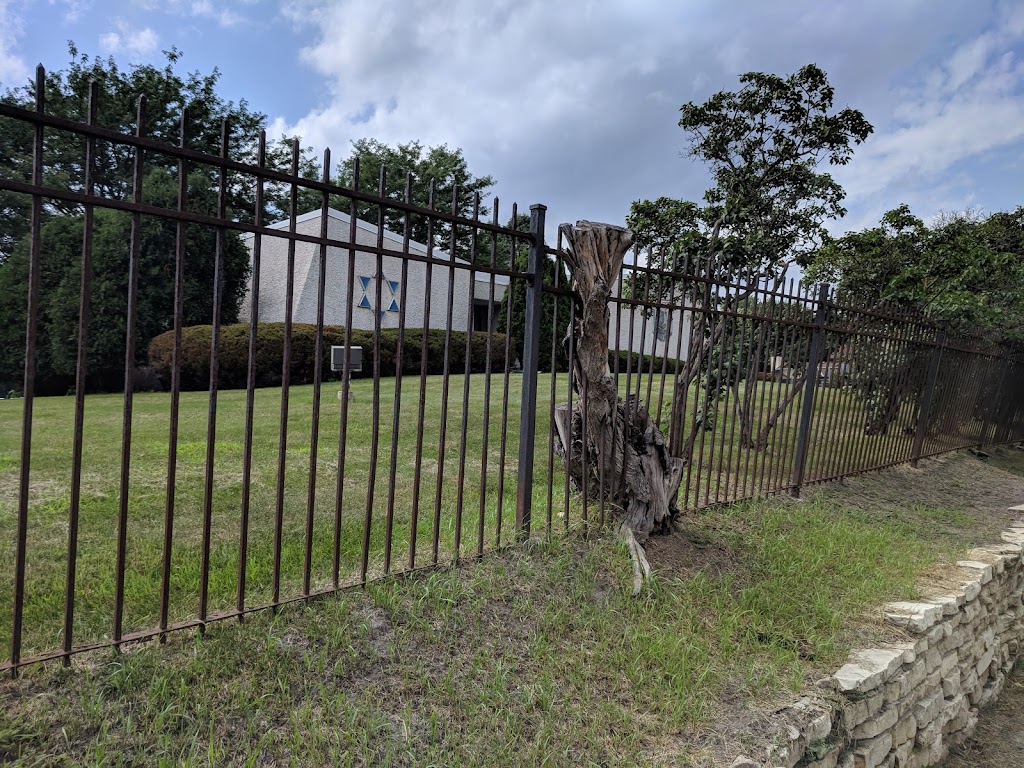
(476, 513)
(537, 655)
(50, 496)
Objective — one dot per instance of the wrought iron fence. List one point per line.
(128, 516)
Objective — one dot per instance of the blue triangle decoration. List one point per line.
(394, 306)
(394, 287)
(366, 282)
(365, 302)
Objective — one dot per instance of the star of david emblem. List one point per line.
(389, 294)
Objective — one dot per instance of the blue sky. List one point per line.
(574, 103)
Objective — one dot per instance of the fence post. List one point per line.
(927, 396)
(531, 351)
(807, 407)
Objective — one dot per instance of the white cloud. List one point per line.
(224, 16)
(13, 70)
(969, 105)
(124, 39)
(576, 103)
(75, 9)
(497, 79)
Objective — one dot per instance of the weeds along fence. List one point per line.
(130, 515)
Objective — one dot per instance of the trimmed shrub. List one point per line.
(269, 357)
(671, 366)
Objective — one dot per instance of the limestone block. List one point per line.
(867, 669)
(904, 730)
(958, 722)
(951, 643)
(927, 709)
(952, 708)
(951, 684)
(983, 555)
(973, 694)
(883, 721)
(970, 612)
(904, 683)
(950, 603)
(914, 617)
(895, 690)
(930, 638)
(856, 712)
(903, 752)
(991, 692)
(919, 758)
(969, 729)
(819, 728)
(816, 719)
(1013, 536)
(948, 664)
(1004, 622)
(788, 750)
(984, 662)
(971, 590)
(871, 753)
(1011, 551)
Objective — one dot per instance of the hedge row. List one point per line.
(234, 353)
(633, 360)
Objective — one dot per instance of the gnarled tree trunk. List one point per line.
(626, 457)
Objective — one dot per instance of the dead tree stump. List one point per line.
(622, 444)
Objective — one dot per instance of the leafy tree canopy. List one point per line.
(67, 95)
(764, 145)
(167, 93)
(964, 269)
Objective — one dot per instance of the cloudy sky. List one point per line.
(574, 103)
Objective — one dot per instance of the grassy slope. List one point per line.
(534, 656)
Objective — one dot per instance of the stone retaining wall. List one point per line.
(904, 705)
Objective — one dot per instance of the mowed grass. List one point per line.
(538, 655)
(440, 494)
(466, 516)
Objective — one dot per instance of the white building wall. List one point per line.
(658, 332)
(274, 268)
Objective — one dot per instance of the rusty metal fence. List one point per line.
(763, 386)
(127, 516)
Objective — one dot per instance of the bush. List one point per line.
(269, 357)
(671, 366)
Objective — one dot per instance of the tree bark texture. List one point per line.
(612, 439)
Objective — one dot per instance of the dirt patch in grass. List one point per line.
(688, 551)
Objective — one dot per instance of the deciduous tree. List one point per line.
(764, 145)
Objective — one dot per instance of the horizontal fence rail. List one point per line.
(279, 387)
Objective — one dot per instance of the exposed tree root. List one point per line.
(641, 567)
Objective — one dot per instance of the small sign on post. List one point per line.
(355, 359)
(355, 364)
